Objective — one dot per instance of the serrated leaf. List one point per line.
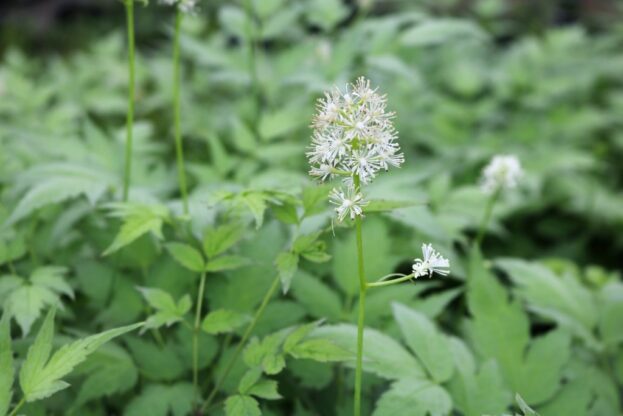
(414, 397)
(382, 355)
(476, 393)
(256, 202)
(240, 405)
(223, 321)
(220, 239)
(138, 220)
(249, 379)
(500, 330)
(187, 256)
(24, 300)
(315, 199)
(158, 299)
(55, 183)
(224, 263)
(265, 389)
(110, 370)
(287, 264)
(161, 400)
(40, 377)
(322, 350)
(7, 371)
(428, 344)
(298, 335)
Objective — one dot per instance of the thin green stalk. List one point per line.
(179, 150)
(129, 7)
(362, 310)
(196, 329)
(391, 282)
(486, 217)
(255, 85)
(18, 406)
(245, 337)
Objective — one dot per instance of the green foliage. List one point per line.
(528, 323)
(6, 366)
(41, 374)
(24, 300)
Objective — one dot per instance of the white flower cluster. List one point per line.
(503, 172)
(186, 6)
(353, 138)
(431, 262)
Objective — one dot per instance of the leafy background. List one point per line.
(536, 312)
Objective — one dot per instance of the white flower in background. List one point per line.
(431, 262)
(503, 172)
(353, 137)
(186, 6)
(350, 205)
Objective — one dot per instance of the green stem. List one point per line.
(391, 282)
(247, 333)
(181, 172)
(255, 85)
(362, 309)
(196, 329)
(487, 217)
(129, 7)
(18, 406)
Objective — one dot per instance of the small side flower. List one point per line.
(347, 205)
(431, 262)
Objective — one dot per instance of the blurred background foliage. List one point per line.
(467, 80)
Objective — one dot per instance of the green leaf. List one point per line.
(249, 379)
(55, 183)
(381, 205)
(256, 202)
(476, 393)
(540, 287)
(223, 321)
(610, 312)
(322, 350)
(155, 362)
(287, 264)
(265, 389)
(414, 397)
(240, 405)
(167, 311)
(24, 300)
(436, 31)
(320, 300)
(161, 400)
(187, 256)
(382, 355)
(40, 377)
(428, 344)
(315, 199)
(500, 330)
(110, 370)
(224, 263)
(220, 239)
(138, 220)
(7, 371)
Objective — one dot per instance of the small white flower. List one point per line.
(347, 205)
(186, 6)
(431, 262)
(503, 172)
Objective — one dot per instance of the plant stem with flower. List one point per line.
(179, 150)
(129, 7)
